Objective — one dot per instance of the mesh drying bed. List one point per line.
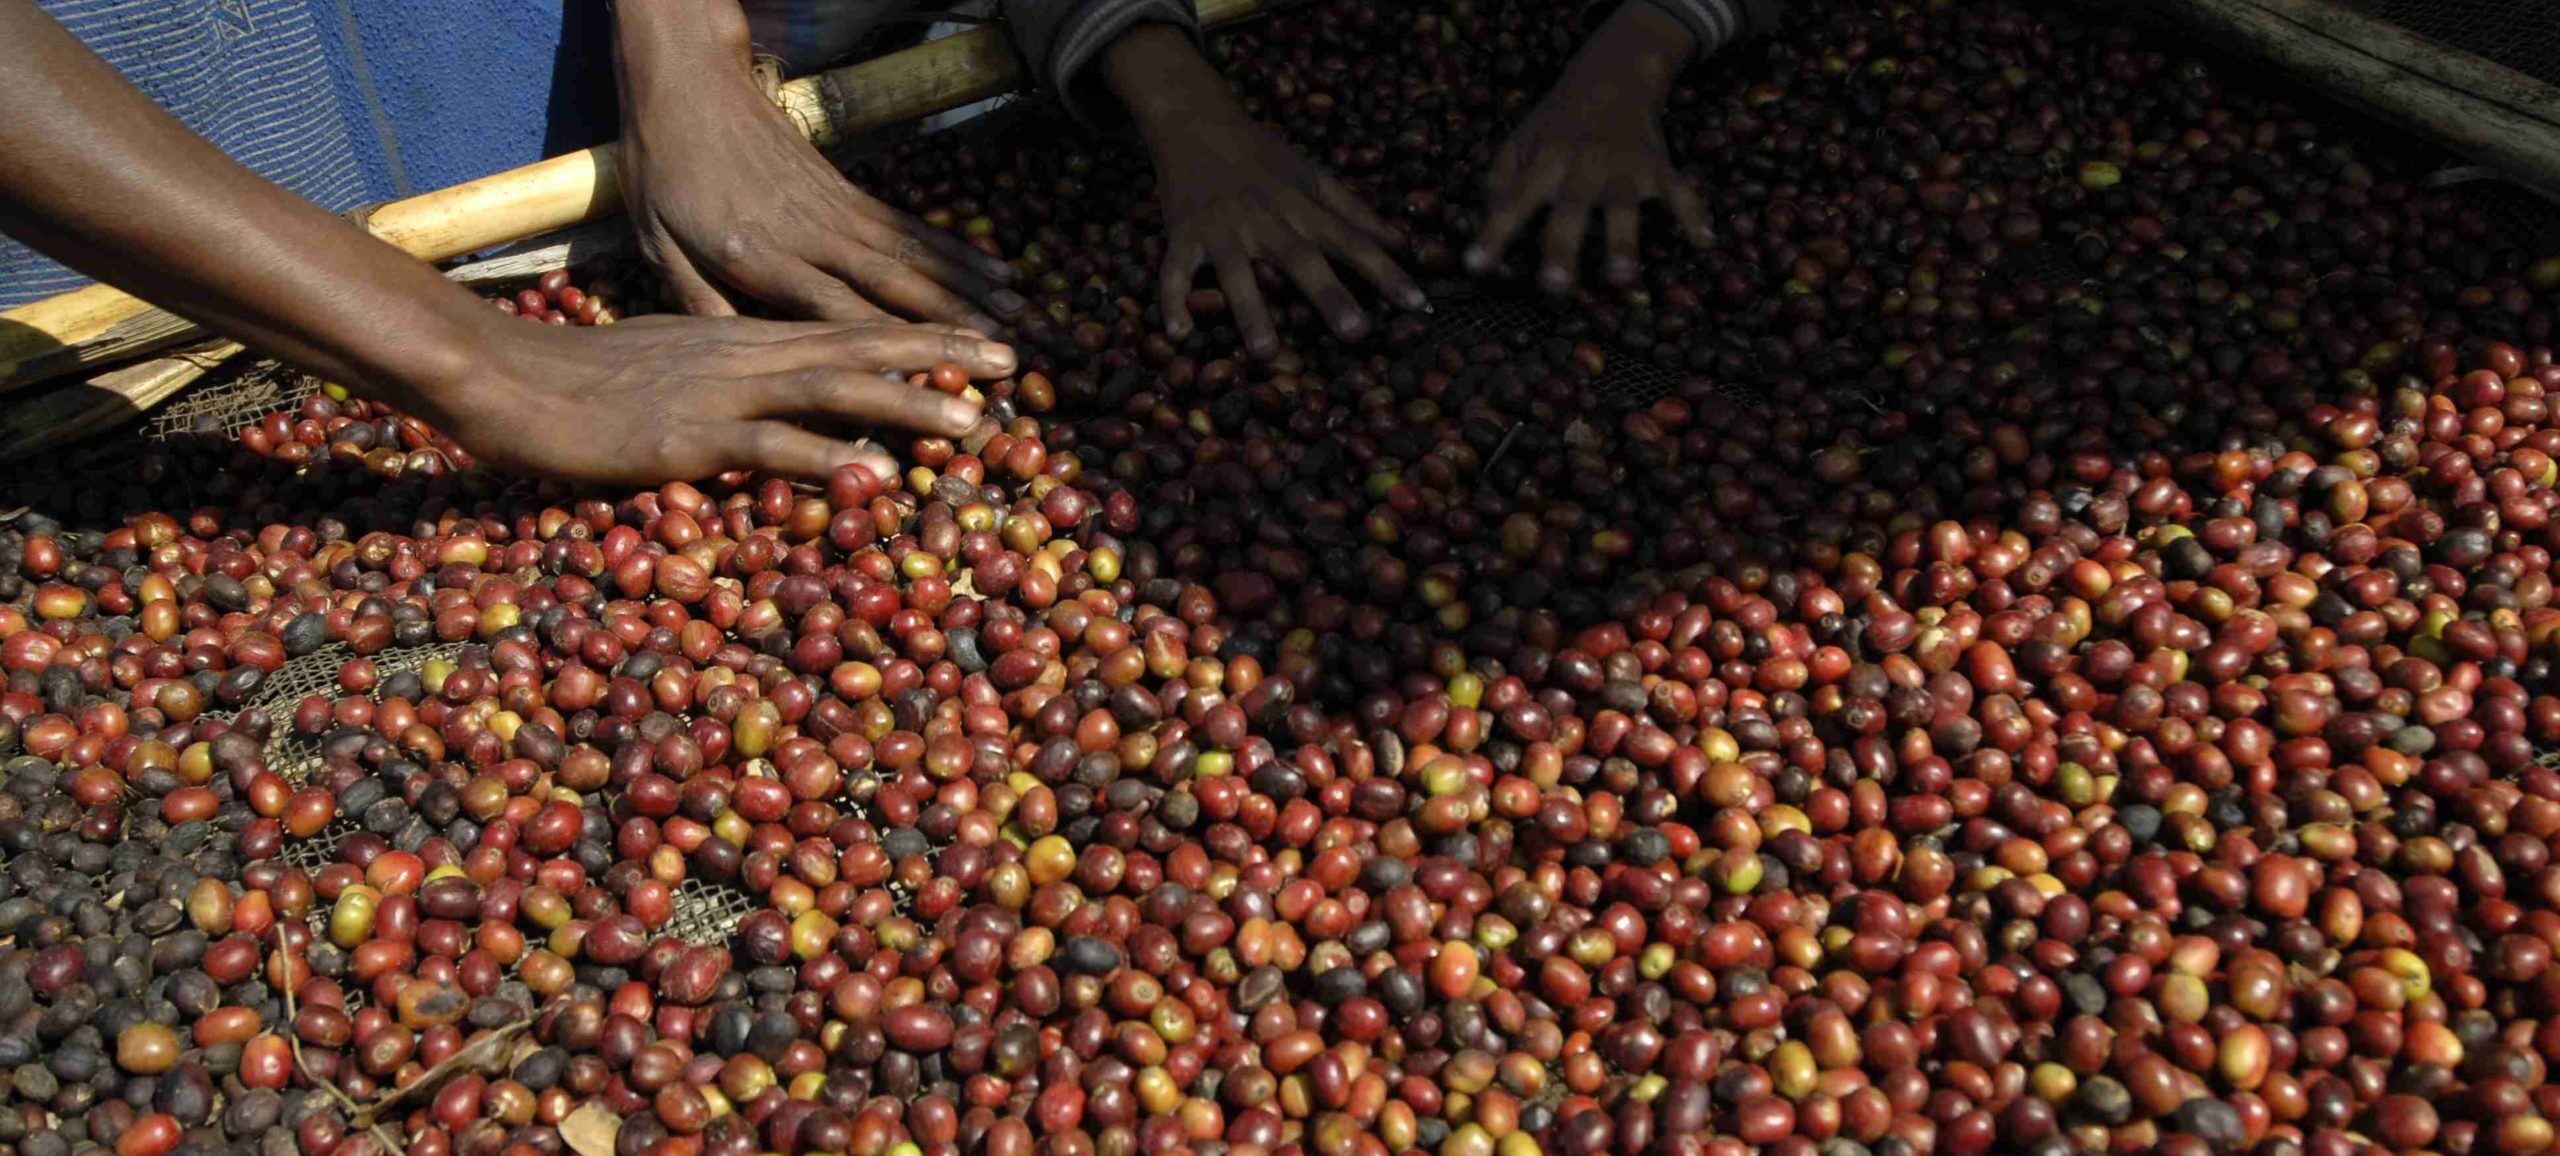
(1629, 381)
(2522, 34)
(229, 403)
(289, 755)
(2514, 215)
(707, 914)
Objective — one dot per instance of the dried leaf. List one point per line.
(590, 1130)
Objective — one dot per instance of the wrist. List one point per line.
(1640, 49)
(667, 48)
(437, 369)
(1165, 84)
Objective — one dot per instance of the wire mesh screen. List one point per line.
(317, 852)
(2515, 216)
(707, 914)
(1630, 380)
(293, 757)
(2522, 34)
(228, 403)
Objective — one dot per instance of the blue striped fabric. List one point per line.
(354, 102)
(251, 76)
(351, 102)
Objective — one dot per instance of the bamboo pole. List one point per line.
(2500, 117)
(97, 324)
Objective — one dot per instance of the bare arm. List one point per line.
(95, 175)
(100, 178)
(730, 199)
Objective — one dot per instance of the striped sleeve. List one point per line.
(1717, 23)
(1060, 39)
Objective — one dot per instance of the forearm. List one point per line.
(662, 47)
(1165, 83)
(96, 176)
(1642, 48)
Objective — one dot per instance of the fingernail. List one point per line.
(1477, 259)
(1352, 325)
(1417, 299)
(1555, 279)
(1008, 302)
(985, 324)
(1001, 270)
(1622, 271)
(959, 415)
(997, 355)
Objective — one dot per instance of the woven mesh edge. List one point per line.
(707, 914)
(291, 756)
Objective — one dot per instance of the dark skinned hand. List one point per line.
(94, 173)
(673, 397)
(1594, 145)
(727, 196)
(1235, 193)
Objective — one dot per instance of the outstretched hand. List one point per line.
(1595, 146)
(1235, 193)
(728, 197)
(672, 397)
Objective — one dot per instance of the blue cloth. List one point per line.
(357, 102)
(351, 102)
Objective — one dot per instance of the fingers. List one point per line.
(1501, 171)
(1333, 194)
(1567, 220)
(1355, 246)
(863, 397)
(694, 293)
(1515, 201)
(904, 288)
(987, 265)
(810, 292)
(1244, 301)
(1306, 265)
(783, 448)
(1620, 222)
(1182, 261)
(1690, 211)
(1381, 271)
(946, 263)
(898, 348)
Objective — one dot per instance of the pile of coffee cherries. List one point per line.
(2068, 669)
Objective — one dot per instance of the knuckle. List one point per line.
(878, 268)
(733, 245)
(812, 385)
(663, 442)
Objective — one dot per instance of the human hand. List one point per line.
(665, 397)
(1243, 195)
(1595, 143)
(1234, 193)
(727, 195)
